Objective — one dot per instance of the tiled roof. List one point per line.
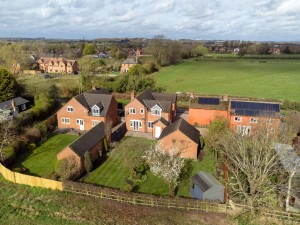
(149, 99)
(89, 140)
(129, 61)
(18, 101)
(89, 99)
(183, 126)
(162, 120)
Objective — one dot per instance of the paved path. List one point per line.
(139, 134)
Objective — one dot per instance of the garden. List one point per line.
(124, 169)
(41, 161)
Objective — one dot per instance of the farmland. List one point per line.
(275, 79)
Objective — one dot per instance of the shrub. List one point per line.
(51, 176)
(127, 188)
(42, 128)
(31, 146)
(20, 169)
(9, 155)
(68, 168)
(33, 134)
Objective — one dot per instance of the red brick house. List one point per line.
(203, 110)
(143, 112)
(57, 65)
(92, 141)
(242, 115)
(126, 64)
(86, 110)
(181, 136)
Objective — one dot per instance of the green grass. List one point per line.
(117, 168)
(24, 205)
(41, 161)
(273, 79)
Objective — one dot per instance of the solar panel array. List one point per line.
(255, 108)
(208, 101)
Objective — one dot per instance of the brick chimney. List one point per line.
(13, 104)
(132, 95)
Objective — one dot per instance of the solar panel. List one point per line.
(255, 108)
(208, 101)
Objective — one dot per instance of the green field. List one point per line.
(114, 171)
(272, 79)
(41, 161)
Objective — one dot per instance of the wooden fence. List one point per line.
(142, 199)
(19, 178)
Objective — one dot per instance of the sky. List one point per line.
(256, 20)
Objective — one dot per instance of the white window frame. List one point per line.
(70, 109)
(95, 111)
(95, 122)
(23, 106)
(132, 111)
(65, 120)
(253, 120)
(237, 119)
(150, 124)
(244, 130)
(142, 111)
(156, 110)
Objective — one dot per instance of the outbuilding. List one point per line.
(207, 187)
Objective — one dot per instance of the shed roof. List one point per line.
(205, 181)
(89, 140)
(129, 61)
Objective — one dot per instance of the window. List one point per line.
(131, 123)
(156, 112)
(95, 112)
(244, 130)
(142, 111)
(95, 122)
(132, 110)
(70, 109)
(23, 107)
(150, 124)
(65, 120)
(140, 124)
(237, 119)
(253, 120)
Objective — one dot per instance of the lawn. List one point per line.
(41, 161)
(117, 168)
(276, 79)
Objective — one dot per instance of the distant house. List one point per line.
(203, 110)
(86, 110)
(206, 187)
(92, 141)
(17, 105)
(58, 65)
(181, 136)
(126, 64)
(147, 108)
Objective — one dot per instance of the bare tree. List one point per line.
(68, 168)
(165, 164)
(252, 163)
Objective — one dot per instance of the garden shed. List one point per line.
(206, 187)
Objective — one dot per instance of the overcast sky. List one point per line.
(276, 20)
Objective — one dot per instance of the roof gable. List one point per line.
(156, 107)
(205, 181)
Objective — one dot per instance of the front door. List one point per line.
(157, 131)
(80, 122)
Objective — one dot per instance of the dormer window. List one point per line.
(95, 111)
(156, 110)
(70, 109)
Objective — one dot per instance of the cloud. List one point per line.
(201, 19)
